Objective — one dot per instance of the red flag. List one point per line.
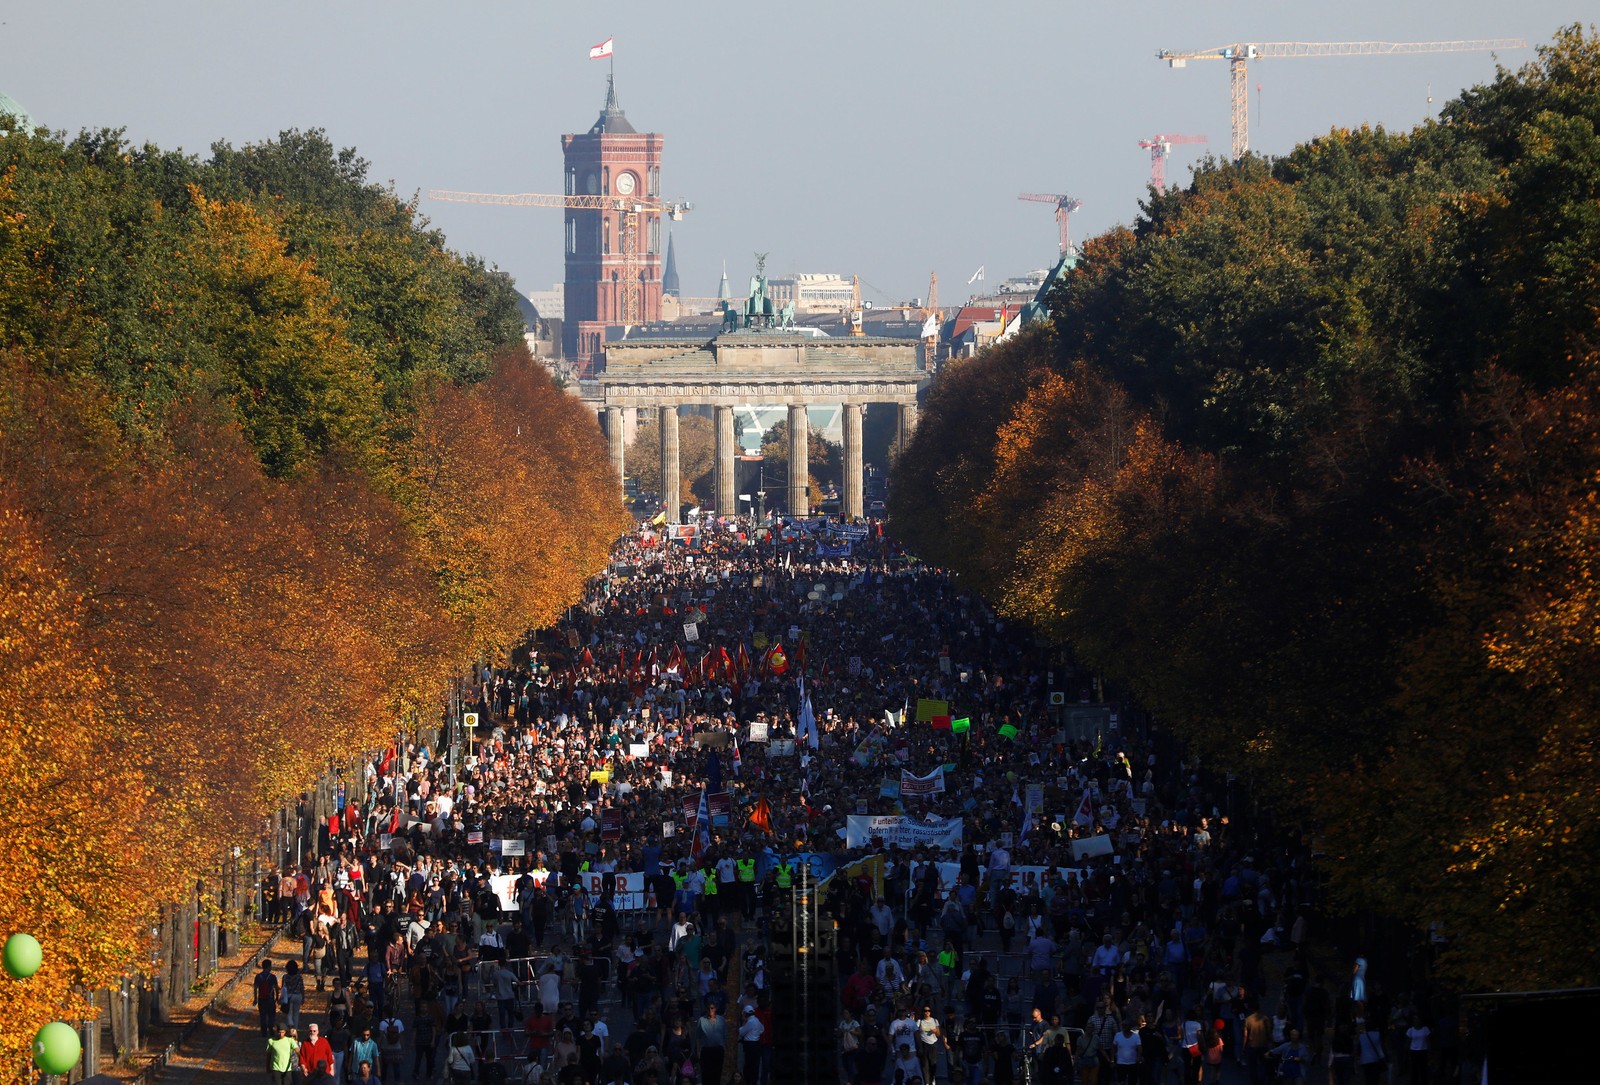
(587, 659)
(800, 655)
(394, 822)
(725, 662)
(675, 659)
(744, 662)
(776, 661)
(761, 815)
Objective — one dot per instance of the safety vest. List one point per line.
(747, 869)
(679, 878)
(584, 869)
(785, 875)
(711, 884)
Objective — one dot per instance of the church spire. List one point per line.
(669, 274)
(723, 291)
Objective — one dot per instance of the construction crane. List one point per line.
(627, 208)
(1239, 57)
(1160, 147)
(1065, 205)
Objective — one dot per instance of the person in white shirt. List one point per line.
(750, 1031)
(883, 918)
(1417, 1050)
(680, 930)
(1128, 1051)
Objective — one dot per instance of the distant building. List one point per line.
(812, 293)
(552, 303)
(977, 326)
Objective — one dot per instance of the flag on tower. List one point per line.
(977, 276)
(601, 51)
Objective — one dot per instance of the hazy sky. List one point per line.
(876, 137)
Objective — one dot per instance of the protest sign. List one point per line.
(908, 832)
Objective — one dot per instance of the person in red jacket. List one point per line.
(315, 1050)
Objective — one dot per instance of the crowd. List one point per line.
(582, 893)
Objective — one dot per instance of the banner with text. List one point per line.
(905, 831)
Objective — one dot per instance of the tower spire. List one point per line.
(669, 273)
(612, 120)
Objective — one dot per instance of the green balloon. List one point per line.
(23, 956)
(56, 1049)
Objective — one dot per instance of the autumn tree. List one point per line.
(1308, 465)
(273, 465)
(697, 455)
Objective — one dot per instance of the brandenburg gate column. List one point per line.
(908, 425)
(722, 471)
(615, 442)
(852, 461)
(671, 495)
(799, 460)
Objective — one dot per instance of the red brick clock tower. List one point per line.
(613, 258)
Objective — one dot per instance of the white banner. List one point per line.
(505, 887)
(905, 831)
(912, 786)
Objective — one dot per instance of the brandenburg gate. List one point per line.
(759, 366)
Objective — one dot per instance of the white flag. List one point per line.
(601, 51)
(977, 276)
(930, 328)
(806, 729)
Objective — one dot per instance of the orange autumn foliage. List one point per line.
(510, 547)
(213, 637)
(77, 868)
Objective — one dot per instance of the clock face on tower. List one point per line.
(625, 183)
